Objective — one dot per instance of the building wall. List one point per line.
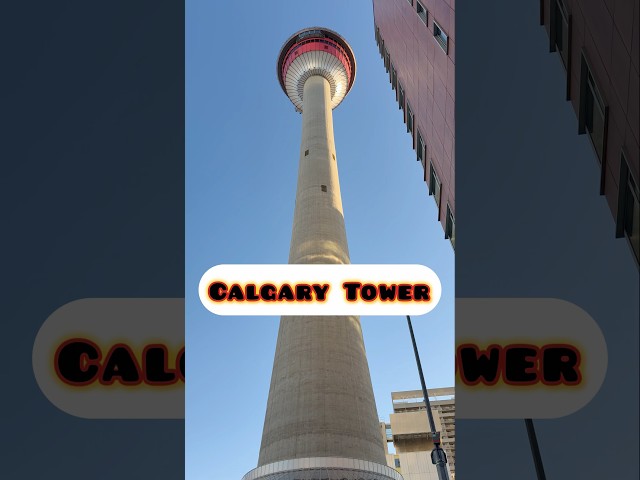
(426, 71)
(417, 465)
(409, 431)
(603, 35)
(444, 413)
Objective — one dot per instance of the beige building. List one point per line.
(407, 435)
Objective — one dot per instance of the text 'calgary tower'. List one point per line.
(321, 419)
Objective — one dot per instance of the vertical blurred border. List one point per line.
(93, 207)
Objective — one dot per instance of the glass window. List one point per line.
(397, 462)
(434, 184)
(628, 221)
(422, 12)
(409, 119)
(420, 149)
(441, 37)
(595, 115)
(394, 77)
(593, 112)
(450, 233)
(632, 216)
(400, 96)
(560, 25)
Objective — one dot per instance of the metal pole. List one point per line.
(535, 450)
(438, 455)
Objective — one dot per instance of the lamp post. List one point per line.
(535, 450)
(438, 455)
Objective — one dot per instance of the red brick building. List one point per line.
(416, 39)
(597, 44)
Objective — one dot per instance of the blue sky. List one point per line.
(242, 142)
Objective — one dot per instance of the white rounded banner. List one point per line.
(115, 358)
(526, 358)
(320, 290)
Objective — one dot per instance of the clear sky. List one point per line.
(242, 145)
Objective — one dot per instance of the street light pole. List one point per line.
(438, 455)
(535, 449)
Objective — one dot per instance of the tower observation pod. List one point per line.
(321, 420)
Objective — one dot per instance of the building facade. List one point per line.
(409, 434)
(597, 45)
(416, 39)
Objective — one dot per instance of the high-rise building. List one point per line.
(409, 433)
(597, 45)
(321, 419)
(416, 41)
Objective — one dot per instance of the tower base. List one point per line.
(323, 468)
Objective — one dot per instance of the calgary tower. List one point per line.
(321, 420)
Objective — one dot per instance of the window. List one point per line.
(400, 97)
(396, 462)
(306, 152)
(409, 119)
(441, 37)
(450, 229)
(628, 218)
(592, 112)
(420, 150)
(559, 33)
(434, 185)
(323, 188)
(394, 77)
(422, 12)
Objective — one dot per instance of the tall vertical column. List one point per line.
(318, 224)
(321, 400)
(321, 416)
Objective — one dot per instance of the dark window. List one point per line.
(333, 155)
(628, 220)
(560, 30)
(441, 37)
(434, 185)
(422, 12)
(400, 96)
(420, 150)
(306, 152)
(397, 462)
(409, 119)
(323, 188)
(387, 60)
(631, 213)
(394, 77)
(381, 47)
(450, 227)
(593, 113)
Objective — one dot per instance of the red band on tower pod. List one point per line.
(317, 44)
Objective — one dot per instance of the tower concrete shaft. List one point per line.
(321, 419)
(321, 400)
